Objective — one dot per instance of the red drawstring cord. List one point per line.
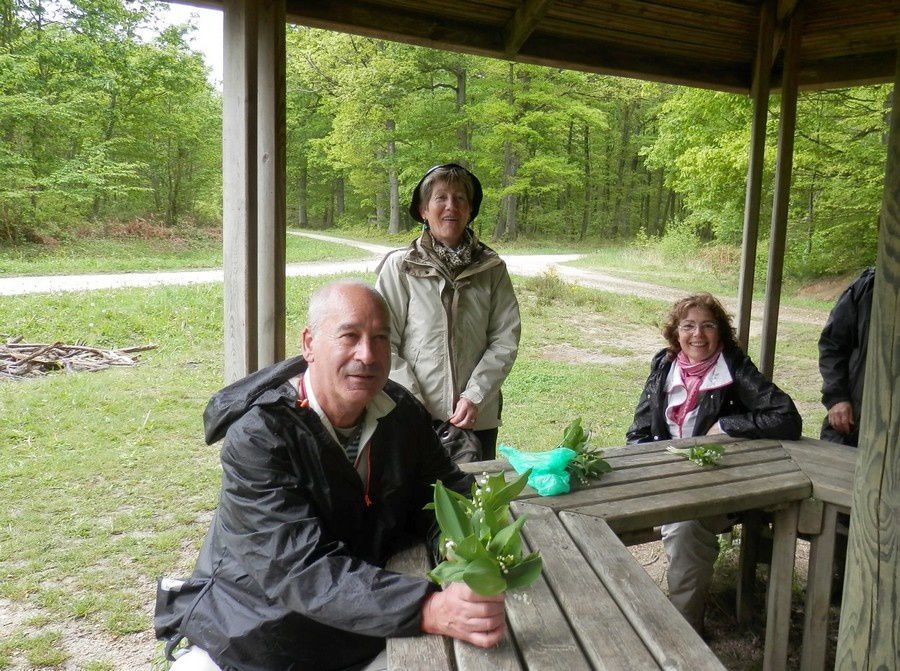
(366, 498)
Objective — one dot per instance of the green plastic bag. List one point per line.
(549, 476)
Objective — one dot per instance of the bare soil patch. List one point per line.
(740, 647)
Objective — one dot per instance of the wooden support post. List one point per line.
(778, 601)
(818, 593)
(870, 610)
(271, 182)
(783, 169)
(762, 69)
(239, 187)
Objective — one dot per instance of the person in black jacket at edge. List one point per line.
(704, 384)
(326, 465)
(842, 360)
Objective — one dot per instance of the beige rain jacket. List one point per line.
(451, 338)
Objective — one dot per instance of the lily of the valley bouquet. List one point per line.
(480, 544)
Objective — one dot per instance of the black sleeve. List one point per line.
(771, 412)
(836, 344)
(273, 528)
(641, 429)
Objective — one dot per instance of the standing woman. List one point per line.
(454, 317)
(704, 384)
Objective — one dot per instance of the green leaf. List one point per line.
(454, 522)
(448, 571)
(484, 577)
(508, 541)
(507, 493)
(525, 572)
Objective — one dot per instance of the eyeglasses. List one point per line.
(690, 327)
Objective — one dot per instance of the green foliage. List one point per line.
(588, 463)
(480, 545)
(96, 123)
(702, 455)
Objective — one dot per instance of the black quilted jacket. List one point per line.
(750, 407)
(290, 575)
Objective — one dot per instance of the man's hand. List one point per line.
(459, 612)
(840, 416)
(464, 414)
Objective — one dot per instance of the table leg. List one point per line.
(778, 601)
(751, 529)
(818, 593)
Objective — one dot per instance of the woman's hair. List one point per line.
(704, 301)
(450, 174)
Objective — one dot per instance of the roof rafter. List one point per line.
(526, 18)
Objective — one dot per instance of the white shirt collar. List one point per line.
(377, 408)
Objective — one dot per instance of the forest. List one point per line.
(107, 121)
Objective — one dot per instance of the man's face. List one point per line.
(349, 354)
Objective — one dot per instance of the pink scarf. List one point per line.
(692, 375)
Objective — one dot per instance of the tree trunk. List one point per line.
(586, 206)
(620, 171)
(303, 193)
(393, 185)
(339, 197)
(462, 130)
(507, 223)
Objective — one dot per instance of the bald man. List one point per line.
(326, 467)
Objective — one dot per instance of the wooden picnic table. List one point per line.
(596, 608)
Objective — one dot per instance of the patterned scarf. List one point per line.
(692, 375)
(454, 261)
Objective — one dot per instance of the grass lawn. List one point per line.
(100, 255)
(106, 482)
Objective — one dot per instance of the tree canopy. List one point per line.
(98, 124)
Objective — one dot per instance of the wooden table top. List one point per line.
(594, 607)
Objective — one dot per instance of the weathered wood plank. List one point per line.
(648, 511)
(525, 19)
(501, 658)
(239, 188)
(606, 634)
(818, 594)
(870, 610)
(778, 601)
(759, 94)
(672, 641)
(416, 653)
(690, 484)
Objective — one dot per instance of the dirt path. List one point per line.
(518, 264)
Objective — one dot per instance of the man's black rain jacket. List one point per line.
(289, 576)
(842, 353)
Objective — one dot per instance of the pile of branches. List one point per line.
(19, 360)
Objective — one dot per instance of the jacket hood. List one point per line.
(233, 401)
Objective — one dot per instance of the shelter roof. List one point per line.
(707, 43)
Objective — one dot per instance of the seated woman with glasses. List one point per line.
(704, 384)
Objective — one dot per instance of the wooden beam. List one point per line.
(613, 59)
(271, 183)
(589, 55)
(875, 68)
(783, 167)
(239, 188)
(760, 94)
(526, 18)
(870, 610)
